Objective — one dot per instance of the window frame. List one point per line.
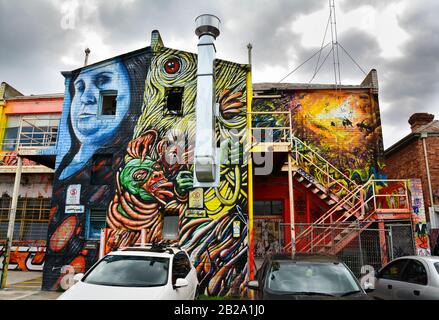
(404, 260)
(168, 92)
(404, 274)
(102, 95)
(89, 222)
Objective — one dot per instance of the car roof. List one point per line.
(149, 250)
(306, 257)
(426, 258)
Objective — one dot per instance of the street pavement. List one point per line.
(26, 286)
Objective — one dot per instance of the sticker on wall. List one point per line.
(196, 198)
(195, 213)
(74, 209)
(236, 229)
(73, 194)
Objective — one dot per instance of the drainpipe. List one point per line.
(206, 168)
(424, 136)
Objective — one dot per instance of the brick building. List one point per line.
(417, 156)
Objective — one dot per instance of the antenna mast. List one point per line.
(335, 56)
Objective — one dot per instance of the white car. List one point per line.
(138, 273)
(408, 278)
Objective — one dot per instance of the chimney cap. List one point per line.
(419, 119)
(207, 24)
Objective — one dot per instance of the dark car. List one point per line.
(305, 276)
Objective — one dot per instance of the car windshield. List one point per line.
(130, 271)
(287, 277)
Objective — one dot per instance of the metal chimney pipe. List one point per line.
(207, 165)
(87, 53)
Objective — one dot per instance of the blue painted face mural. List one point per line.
(91, 128)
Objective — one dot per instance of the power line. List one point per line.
(304, 63)
(352, 59)
(321, 47)
(324, 60)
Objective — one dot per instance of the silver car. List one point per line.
(408, 278)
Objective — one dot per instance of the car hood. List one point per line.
(87, 291)
(360, 296)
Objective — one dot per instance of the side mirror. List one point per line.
(78, 277)
(180, 283)
(253, 285)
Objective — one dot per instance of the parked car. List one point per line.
(138, 273)
(408, 278)
(305, 276)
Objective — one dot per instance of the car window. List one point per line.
(181, 266)
(415, 273)
(129, 271)
(286, 277)
(393, 270)
(436, 265)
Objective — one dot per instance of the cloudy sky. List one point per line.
(400, 38)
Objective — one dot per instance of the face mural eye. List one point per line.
(172, 65)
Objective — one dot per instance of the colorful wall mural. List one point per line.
(156, 178)
(422, 241)
(25, 256)
(90, 149)
(151, 171)
(341, 125)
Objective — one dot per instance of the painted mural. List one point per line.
(156, 178)
(341, 125)
(9, 158)
(25, 256)
(84, 182)
(422, 241)
(150, 175)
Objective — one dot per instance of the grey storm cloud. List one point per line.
(33, 44)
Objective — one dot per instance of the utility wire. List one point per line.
(304, 62)
(352, 59)
(324, 60)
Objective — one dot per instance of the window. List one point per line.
(415, 273)
(109, 103)
(36, 131)
(129, 271)
(101, 169)
(96, 223)
(10, 139)
(394, 270)
(174, 100)
(268, 208)
(181, 266)
(436, 265)
(31, 218)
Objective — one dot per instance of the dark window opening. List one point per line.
(102, 169)
(174, 101)
(268, 208)
(97, 222)
(109, 103)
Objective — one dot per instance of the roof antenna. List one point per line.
(335, 56)
(87, 53)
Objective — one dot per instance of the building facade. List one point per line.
(26, 122)
(307, 156)
(417, 155)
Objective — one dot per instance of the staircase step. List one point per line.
(323, 196)
(316, 190)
